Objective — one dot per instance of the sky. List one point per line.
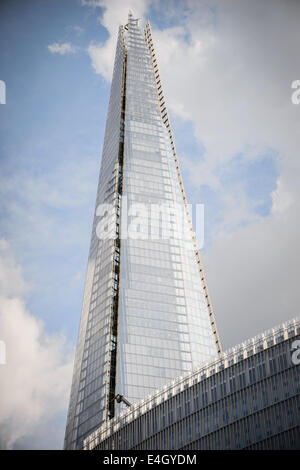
(227, 69)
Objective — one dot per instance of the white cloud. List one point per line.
(92, 3)
(77, 29)
(35, 381)
(282, 199)
(101, 60)
(62, 49)
(253, 276)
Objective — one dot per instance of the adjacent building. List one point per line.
(249, 398)
(146, 316)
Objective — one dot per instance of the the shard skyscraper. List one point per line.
(146, 315)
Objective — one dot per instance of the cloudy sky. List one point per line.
(227, 69)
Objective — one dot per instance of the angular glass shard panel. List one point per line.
(146, 315)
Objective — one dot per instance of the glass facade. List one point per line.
(247, 399)
(146, 315)
(164, 324)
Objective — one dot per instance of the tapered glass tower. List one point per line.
(146, 315)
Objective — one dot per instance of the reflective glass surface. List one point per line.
(87, 409)
(163, 324)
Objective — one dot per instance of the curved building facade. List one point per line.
(247, 399)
